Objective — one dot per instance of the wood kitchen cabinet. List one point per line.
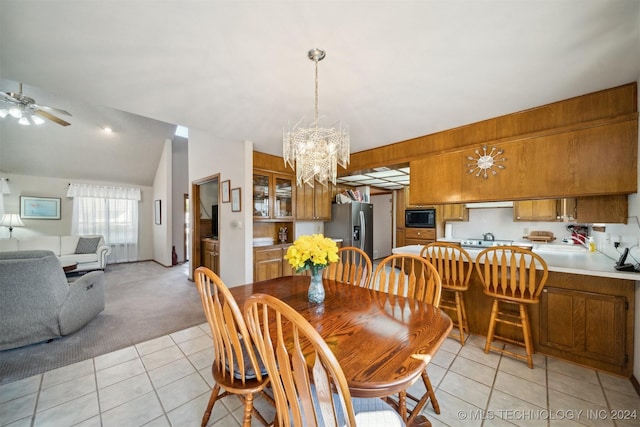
(536, 210)
(407, 200)
(574, 161)
(587, 320)
(585, 324)
(454, 212)
(419, 236)
(211, 254)
(314, 203)
(606, 209)
(269, 262)
(273, 196)
(400, 238)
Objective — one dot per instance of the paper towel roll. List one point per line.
(448, 231)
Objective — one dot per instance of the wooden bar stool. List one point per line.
(454, 266)
(511, 275)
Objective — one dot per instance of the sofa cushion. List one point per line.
(79, 258)
(47, 243)
(87, 245)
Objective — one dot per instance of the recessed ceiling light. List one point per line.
(107, 129)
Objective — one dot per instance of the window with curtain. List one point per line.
(111, 212)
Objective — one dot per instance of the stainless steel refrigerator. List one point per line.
(353, 223)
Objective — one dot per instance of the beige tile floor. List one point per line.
(167, 382)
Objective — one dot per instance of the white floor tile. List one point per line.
(155, 384)
(20, 388)
(120, 372)
(115, 358)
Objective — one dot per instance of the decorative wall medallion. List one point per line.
(486, 161)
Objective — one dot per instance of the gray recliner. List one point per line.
(36, 301)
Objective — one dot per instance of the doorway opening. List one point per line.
(204, 223)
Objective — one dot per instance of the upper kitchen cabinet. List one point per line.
(537, 210)
(454, 212)
(273, 196)
(605, 209)
(580, 147)
(599, 160)
(407, 200)
(314, 203)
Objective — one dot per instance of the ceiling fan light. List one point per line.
(37, 120)
(15, 112)
(24, 121)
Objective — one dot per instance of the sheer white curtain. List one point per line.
(111, 212)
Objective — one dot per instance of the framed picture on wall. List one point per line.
(235, 200)
(157, 212)
(225, 191)
(39, 207)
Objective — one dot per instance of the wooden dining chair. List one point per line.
(236, 368)
(354, 267)
(308, 384)
(455, 267)
(516, 276)
(414, 277)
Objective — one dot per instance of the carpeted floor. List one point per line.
(142, 301)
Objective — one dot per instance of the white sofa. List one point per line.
(65, 249)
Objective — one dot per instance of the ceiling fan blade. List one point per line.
(9, 97)
(52, 109)
(51, 117)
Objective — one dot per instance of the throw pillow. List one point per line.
(87, 245)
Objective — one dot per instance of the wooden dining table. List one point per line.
(383, 342)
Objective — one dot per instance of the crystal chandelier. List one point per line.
(313, 151)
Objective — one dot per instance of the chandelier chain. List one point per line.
(314, 152)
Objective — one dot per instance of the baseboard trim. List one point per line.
(635, 384)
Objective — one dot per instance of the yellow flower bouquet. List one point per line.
(312, 252)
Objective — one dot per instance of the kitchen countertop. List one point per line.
(560, 258)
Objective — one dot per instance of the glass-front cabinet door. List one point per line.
(283, 205)
(261, 195)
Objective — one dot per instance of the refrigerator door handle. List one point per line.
(363, 227)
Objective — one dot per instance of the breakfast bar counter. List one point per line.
(586, 312)
(560, 258)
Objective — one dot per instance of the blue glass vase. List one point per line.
(316, 289)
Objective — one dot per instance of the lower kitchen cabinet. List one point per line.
(211, 254)
(587, 320)
(269, 262)
(585, 324)
(583, 319)
(419, 236)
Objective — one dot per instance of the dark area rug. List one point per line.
(143, 301)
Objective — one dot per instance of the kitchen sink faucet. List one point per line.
(488, 237)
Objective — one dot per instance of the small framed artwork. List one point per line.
(39, 207)
(225, 191)
(157, 212)
(235, 200)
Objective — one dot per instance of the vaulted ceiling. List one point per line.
(394, 70)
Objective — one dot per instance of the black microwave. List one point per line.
(420, 218)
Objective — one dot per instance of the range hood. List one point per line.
(478, 205)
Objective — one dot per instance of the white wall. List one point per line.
(382, 225)
(57, 187)
(162, 191)
(180, 187)
(233, 160)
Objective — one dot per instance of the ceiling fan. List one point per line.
(27, 111)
